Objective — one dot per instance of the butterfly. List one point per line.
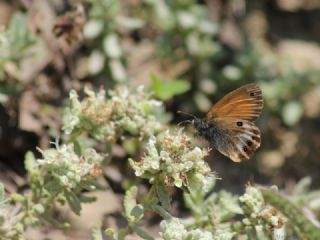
(229, 125)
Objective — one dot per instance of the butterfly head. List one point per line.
(198, 123)
(192, 121)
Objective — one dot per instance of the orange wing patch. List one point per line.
(243, 103)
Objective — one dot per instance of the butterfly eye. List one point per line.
(239, 124)
(252, 94)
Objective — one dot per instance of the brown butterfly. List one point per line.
(229, 125)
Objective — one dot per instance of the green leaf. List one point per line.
(87, 199)
(163, 196)
(30, 162)
(74, 202)
(137, 212)
(19, 34)
(109, 232)
(92, 184)
(2, 192)
(77, 147)
(38, 208)
(141, 232)
(17, 198)
(130, 203)
(2, 220)
(165, 90)
(120, 235)
(96, 232)
(53, 185)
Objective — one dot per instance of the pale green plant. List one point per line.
(171, 160)
(126, 111)
(104, 27)
(15, 40)
(174, 229)
(57, 178)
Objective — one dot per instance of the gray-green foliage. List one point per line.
(183, 30)
(165, 90)
(57, 178)
(187, 31)
(257, 214)
(126, 111)
(103, 28)
(171, 160)
(15, 40)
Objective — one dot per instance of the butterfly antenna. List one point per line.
(188, 114)
(186, 121)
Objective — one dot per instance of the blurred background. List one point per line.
(189, 53)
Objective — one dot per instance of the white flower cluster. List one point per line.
(253, 200)
(64, 165)
(174, 229)
(261, 215)
(125, 111)
(173, 159)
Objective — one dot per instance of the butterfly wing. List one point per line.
(243, 103)
(234, 138)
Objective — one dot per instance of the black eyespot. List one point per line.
(255, 138)
(249, 143)
(245, 149)
(252, 94)
(239, 124)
